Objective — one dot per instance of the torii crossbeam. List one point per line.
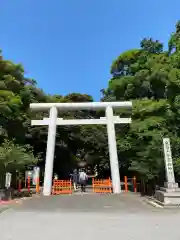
(53, 121)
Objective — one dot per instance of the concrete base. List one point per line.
(171, 186)
(168, 196)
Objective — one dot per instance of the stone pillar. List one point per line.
(169, 195)
(113, 151)
(50, 152)
(170, 184)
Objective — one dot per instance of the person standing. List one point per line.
(83, 177)
(55, 176)
(74, 177)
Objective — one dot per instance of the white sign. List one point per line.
(8, 180)
(36, 172)
(168, 161)
(29, 174)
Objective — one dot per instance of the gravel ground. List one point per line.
(89, 216)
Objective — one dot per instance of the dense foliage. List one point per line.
(149, 76)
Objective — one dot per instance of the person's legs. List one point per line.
(84, 186)
(74, 185)
(81, 183)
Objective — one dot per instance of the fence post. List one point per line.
(19, 185)
(25, 181)
(29, 183)
(125, 184)
(70, 185)
(37, 185)
(53, 187)
(110, 188)
(134, 184)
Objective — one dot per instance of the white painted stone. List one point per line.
(113, 151)
(50, 152)
(81, 105)
(64, 122)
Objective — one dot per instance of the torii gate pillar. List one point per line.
(116, 182)
(51, 140)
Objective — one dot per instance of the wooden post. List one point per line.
(125, 183)
(19, 185)
(110, 186)
(29, 183)
(134, 184)
(53, 188)
(70, 185)
(37, 185)
(25, 181)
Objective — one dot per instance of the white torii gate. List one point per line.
(53, 121)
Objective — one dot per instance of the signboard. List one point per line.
(29, 174)
(8, 180)
(36, 172)
(168, 161)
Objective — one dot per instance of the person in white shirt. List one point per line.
(83, 177)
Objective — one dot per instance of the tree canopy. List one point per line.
(149, 76)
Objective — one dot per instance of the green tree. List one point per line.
(14, 157)
(150, 78)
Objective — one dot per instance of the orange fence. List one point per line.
(62, 187)
(133, 180)
(102, 185)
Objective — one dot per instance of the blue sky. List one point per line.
(69, 45)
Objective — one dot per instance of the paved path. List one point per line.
(89, 217)
(3, 208)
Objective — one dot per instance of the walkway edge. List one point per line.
(153, 203)
(4, 211)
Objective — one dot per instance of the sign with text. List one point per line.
(168, 161)
(29, 174)
(8, 180)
